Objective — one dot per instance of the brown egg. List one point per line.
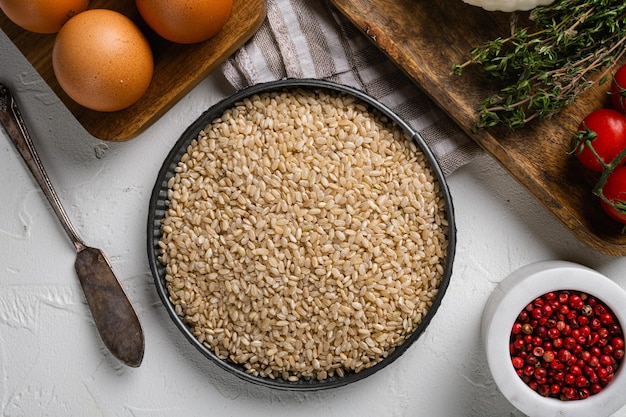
(102, 60)
(185, 21)
(42, 16)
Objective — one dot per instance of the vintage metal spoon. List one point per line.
(112, 312)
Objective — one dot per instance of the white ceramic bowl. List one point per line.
(505, 303)
(508, 5)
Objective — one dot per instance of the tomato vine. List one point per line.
(600, 145)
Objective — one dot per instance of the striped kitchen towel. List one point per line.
(311, 39)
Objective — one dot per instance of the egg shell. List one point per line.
(102, 60)
(185, 21)
(42, 16)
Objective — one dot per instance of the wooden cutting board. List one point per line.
(425, 38)
(177, 68)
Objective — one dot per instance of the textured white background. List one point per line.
(52, 362)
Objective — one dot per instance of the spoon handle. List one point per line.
(114, 316)
(13, 123)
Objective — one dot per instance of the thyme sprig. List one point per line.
(570, 46)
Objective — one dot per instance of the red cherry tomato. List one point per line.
(605, 131)
(615, 191)
(618, 90)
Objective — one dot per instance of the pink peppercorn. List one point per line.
(566, 345)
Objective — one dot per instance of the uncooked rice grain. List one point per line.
(305, 235)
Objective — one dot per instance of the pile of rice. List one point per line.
(305, 236)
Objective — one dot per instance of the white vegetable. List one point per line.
(508, 5)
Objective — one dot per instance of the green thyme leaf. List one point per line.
(571, 45)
